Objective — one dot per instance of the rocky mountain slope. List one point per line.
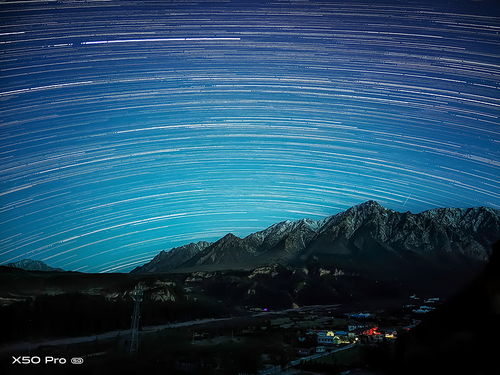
(32, 265)
(366, 238)
(169, 260)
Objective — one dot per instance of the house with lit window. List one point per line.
(333, 337)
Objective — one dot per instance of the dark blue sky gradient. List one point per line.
(128, 127)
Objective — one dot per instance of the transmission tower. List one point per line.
(136, 295)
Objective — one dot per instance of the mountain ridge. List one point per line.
(170, 259)
(33, 265)
(362, 233)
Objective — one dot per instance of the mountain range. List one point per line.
(32, 265)
(366, 239)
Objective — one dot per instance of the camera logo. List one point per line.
(47, 360)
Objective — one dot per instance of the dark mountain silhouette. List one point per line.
(32, 265)
(169, 260)
(367, 239)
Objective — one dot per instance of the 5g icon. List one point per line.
(77, 360)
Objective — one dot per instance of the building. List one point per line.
(390, 334)
(334, 337)
(353, 327)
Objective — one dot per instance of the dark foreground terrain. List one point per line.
(40, 305)
(394, 332)
(461, 336)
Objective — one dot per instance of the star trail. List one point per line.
(128, 127)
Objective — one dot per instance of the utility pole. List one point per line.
(136, 295)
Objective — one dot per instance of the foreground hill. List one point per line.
(457, 337)
(366, 239)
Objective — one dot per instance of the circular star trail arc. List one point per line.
(130, 127)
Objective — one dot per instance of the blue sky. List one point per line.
(131, 127)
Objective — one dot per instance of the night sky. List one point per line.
(128, 127)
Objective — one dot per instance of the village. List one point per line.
(317, 339)
(313, 337)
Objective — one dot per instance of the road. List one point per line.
(319, 355)
(27, 346)
(288, 369)
(31, 345)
